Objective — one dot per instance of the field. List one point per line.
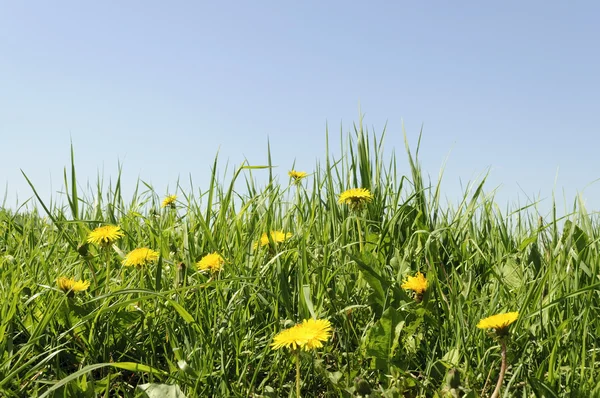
(157, 324)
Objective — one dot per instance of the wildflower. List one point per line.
(355, 198)
(297, 175)
(416, 283)
(69, 285)
(105, 235)
(140, 257)
(276, 236)
(309, 334)
(499, 322)
(213, 262)
(169, 201)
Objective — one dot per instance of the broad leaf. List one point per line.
(162, 390)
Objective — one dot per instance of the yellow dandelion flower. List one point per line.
(140, 257)
(276, 236)
(355, 198)
(317, 331)
(297, 175)
(213, 262)
(499, 322)
(105, 235)
(169, 201)
(309, 334)
(416, 283)
(69, 285)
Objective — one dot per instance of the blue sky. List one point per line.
(511, 87)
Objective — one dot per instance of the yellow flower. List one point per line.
(276, 236)
(356, 198)
(212, 261)
(416, 283)
(499, 322)
(71, 285)
(105, 235)
(309, 334)
(140, 257)
(169, 201)
(297, 175)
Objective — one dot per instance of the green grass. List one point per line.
(210, 335)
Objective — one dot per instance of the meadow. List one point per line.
(399, 281)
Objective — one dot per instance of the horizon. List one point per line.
(184, 185)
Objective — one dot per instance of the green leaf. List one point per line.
(512, 274)
(527, 241)
(305, 296)
(451, 358)
(541, 389)
(378, 283)
(579, 237)
(187, 317)
(131, 366)
(137, 367)
(153, 390)
(158, 276)
(382, 338)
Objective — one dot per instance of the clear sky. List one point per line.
(512, 87)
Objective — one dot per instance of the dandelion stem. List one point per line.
(298, 373)
(496, 393)
(142, 273)
(107, 279)
(360, 243)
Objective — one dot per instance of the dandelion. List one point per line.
(105, 235)
(140, 257)
(213, 262)
(297, 175)
(500, 323)
(417, 284)
(70, 286)
(309, 334)
(276, 236)
(355, 198)
(169, 201)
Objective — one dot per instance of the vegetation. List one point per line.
(225, 270)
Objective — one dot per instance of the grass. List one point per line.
(138, 329)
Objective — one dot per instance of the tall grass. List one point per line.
(209, 335)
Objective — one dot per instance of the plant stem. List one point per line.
(297, 373)
(93, 271)
(142, 272)
(107, 279)
(496, 393)
(360, 243)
